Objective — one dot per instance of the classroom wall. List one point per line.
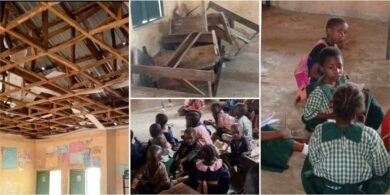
(122, 156)
(20, 180)
(110, 146)
(371, 10)
(94, 139)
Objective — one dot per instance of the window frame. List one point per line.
(147, 14)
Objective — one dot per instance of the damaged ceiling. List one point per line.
(63, 66)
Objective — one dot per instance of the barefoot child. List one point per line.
(202, 134)
(209, 176)
(317, 109)
(162, 120)
(240, 111)
(346, 157)
(152, 177)
(186, 156)
(277, 147)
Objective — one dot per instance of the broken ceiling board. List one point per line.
(189, 24)
(233, 16)
(45, 93)
(53, 74)
(95, 121)
(198, 58)
(175, 73)
(154, 92)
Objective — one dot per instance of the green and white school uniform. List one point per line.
(349, 159)
(318, 102)
(275, 153)
(320, 95)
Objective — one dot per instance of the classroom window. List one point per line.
(93, 181)
(55, 183)
(143, 12)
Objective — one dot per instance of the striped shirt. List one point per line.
(346, 161)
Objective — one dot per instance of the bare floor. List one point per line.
(286, 37)
(240, 75)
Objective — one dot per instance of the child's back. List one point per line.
(347, 155)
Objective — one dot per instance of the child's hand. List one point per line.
(285, 133)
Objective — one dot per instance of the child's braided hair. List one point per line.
(347, 101)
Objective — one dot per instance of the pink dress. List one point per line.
(203, 135)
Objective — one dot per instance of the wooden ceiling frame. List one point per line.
(48, 115)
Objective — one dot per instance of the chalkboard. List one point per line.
(9, 158)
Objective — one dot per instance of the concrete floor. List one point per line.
(240, 75)
(286, 36)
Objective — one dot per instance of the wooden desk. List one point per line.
(180, 188)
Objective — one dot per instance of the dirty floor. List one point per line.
(240, 75)
(286, 36)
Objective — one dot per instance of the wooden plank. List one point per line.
(154, 92)
(176, 39)
(175, 73)
(189, 24)
(198, 58)
(26, 16)
(239, 35)
(219, 23)
(231, 15)
(183, 48)
(83, 31)
(110, 25)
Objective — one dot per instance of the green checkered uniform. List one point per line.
(346, 160)
(318, 102)
(319, 96)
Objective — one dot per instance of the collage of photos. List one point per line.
(194, 97)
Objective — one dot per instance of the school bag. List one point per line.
(301, 74)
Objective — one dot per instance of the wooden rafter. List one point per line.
(61, 103)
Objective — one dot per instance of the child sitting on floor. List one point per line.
(317, 109)
(277, 147)
(162, 120)
(138, 156)
(209, 176)
(346, 157)
(155, 131)
(240, 111)
(186, 156)
(238, 147)
(223, 120)
(152, 177)
(308, 70)
(202, 134)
